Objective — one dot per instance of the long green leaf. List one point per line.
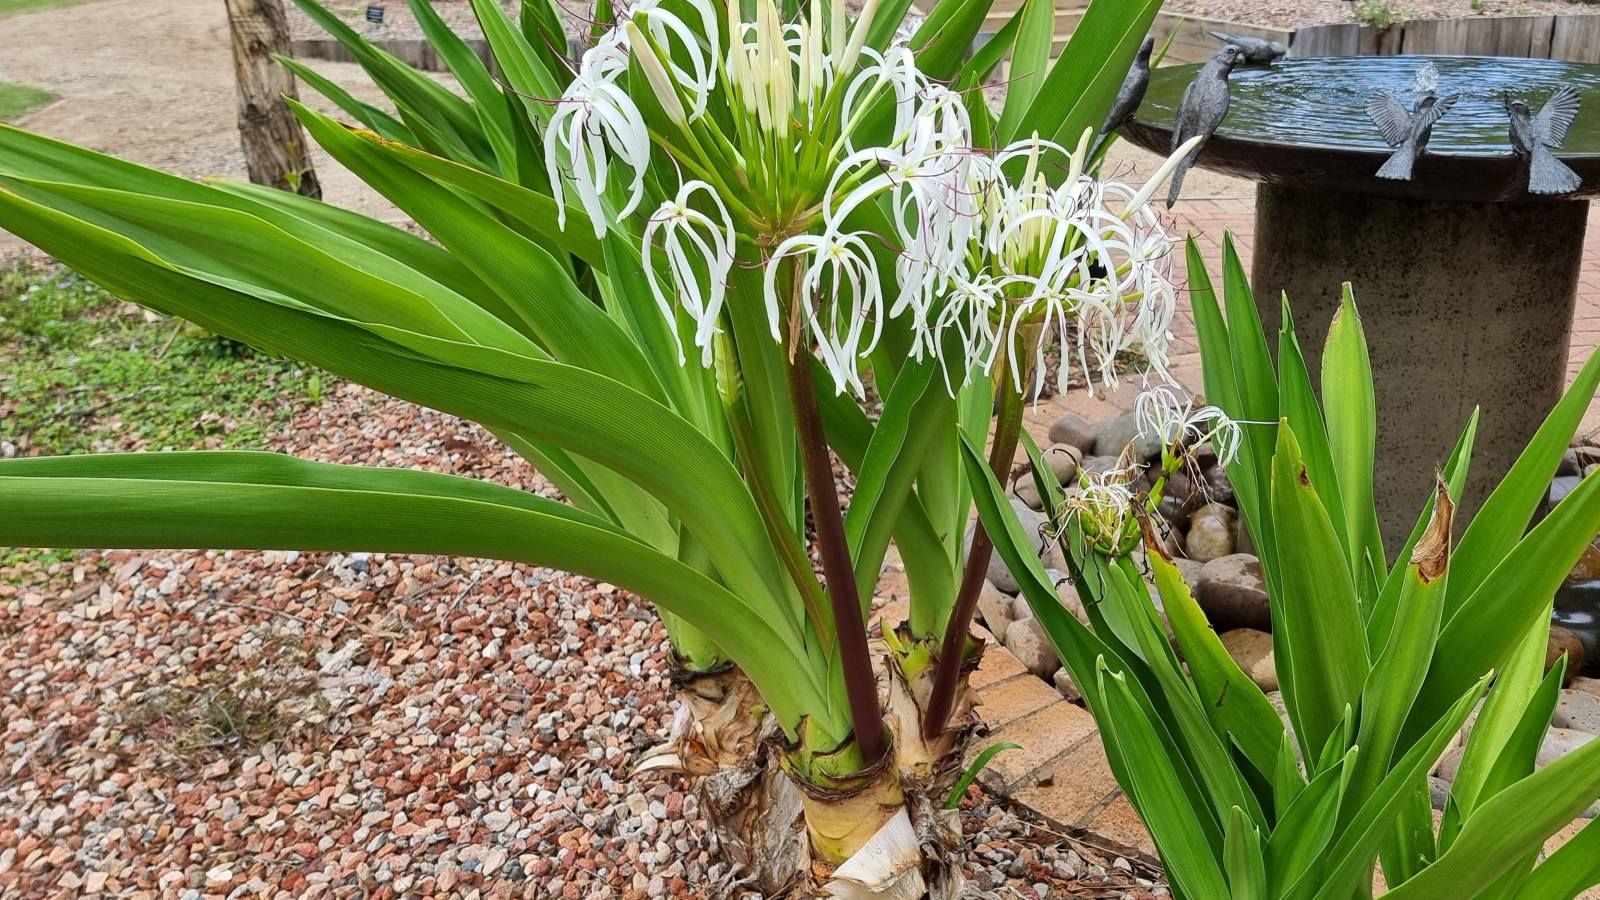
(1496, 617)
(572, 408)
(1510, 825)
(1569, 870)
(269, 501)
(1030, 61)
(1321, 618)
(1352, 432)
(1077, 94)
(1236, 706)
(1348, 863)
(1505, 515)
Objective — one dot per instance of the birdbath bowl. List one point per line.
(1465, 281)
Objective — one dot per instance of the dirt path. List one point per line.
(153, 82)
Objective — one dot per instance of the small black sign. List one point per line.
(375, 14)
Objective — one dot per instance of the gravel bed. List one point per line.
(1293, 13)
(282, 724)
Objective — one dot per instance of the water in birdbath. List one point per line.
(1321, 102)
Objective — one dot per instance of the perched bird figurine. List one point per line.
(1407, 131)
(1257, 52)
(1534, 136)
(1129, 97)
(1200, 113)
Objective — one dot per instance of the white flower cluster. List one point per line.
(987, 252)
(1162, 414)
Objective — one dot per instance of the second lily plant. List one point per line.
(665, 272)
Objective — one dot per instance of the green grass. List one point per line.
(84, 372)
(8, 7)
(16, 99)
(87, 372)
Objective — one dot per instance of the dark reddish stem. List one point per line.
(861, 687)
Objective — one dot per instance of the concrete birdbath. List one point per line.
(1466, 282)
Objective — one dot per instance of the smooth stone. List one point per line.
(1070, 599)
(1175, 510)
(1233, 594)
(1564, 641)
(1027, 642)
(1587, 685)
(1118, 432)
(1027, 490)
(1252, 650)
(1063, 460)
(1578, 710)
(1217, 487)
(1450, 764)
(995, 609)
(1558, 742)
(1190, 570)
(1062, 679)
(1072, 429)
(1438, 792)
(1019, 608)
(1588, 567)
(1099, 465)
(1570, 464)
(1211, 531)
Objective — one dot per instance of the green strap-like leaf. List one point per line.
(1242, 859)
(1321, 618)
(1236, 706)
(1512, 824)
(1077, 94)
(1307, 825)
(1495, 619)
(1402, 662)
(539, 399)
(365, 113)
(269, 501)
(1505, 515)
(1569, 870)
(1352, 431)
(1348, 863)
(1030, 62)
(1155, 790)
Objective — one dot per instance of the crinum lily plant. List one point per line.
(665, 275)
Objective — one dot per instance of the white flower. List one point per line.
(679, 41)
(842, 296)
(975, 308)
(1160, 413)
(692, 240)
(595, 120)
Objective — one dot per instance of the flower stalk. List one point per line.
(953, 647)
(861, 686)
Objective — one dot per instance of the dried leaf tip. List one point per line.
(1152, 540)
(1432, 553)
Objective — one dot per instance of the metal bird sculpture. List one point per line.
(1407, 131)
(1129, 97)
(1200, 113)
(1257, 52)
(1533, 137)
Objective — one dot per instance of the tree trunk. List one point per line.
(275, 150)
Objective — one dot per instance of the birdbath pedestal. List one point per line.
(1466, 283)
